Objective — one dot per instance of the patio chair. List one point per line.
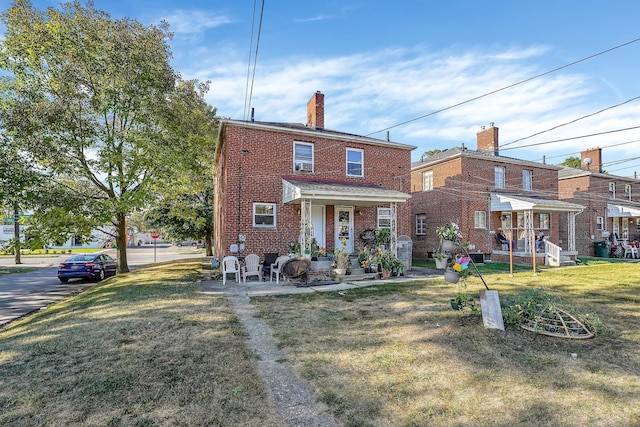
(276, 268)
(230, 265)
(251, 267)
(629, 250)
(269, 258)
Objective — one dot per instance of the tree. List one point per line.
(95, 100)
(430, 153)
(573, 162)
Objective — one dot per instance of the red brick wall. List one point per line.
(254, 161)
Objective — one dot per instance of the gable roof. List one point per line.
(451, 153)
(568, 172)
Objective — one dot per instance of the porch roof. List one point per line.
(623, 211)
(512, 202)
(336, 192)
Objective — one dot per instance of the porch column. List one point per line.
(528, 231)
(571, 230)
(306, 232)
(393, 238)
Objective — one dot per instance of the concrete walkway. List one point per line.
(290, 394)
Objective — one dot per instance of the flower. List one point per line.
(450, 231)
(341, 257)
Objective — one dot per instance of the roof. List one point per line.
(334, 192)
(623, 210)
(517, 202)
(568, 172)
(476, 154)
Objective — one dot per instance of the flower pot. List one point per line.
(386, 273)
(449, 246)
(451, 276)
(441, 263)
(340, 271)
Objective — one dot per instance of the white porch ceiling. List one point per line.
(622, 211)
(510, 202)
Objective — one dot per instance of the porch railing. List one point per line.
(552, 253)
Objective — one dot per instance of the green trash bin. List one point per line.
(601, 249)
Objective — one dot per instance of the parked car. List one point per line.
(190, 242)
(87, 266)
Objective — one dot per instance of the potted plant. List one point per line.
(449, 236)
(441, 259)
(386, 260)
(341, 259)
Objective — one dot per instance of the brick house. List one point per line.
(612, 207)
(283, 183)
(481, 191)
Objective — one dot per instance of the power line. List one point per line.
(574, 137)
(249, 91)
(507, 87)
(577, 152)
(570, 122)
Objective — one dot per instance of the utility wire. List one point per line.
(246, 86)
(570, 122)
(569, 139)
(249, 91)
(506, 87)
(577, 152)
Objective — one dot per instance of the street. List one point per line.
(22, 293)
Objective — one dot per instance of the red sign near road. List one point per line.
(155, 235)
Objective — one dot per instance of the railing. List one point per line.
(552, 253)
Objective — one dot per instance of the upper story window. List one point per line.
(527, 176)
(302, 157)
(427, 181)
(499, 173)
(612, 190)
(421, 224)
(264, 215)
(627, 191)
(480, 219)
(355, 162)
(384, 218)
(544, 221)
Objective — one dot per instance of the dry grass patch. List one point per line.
(144, 349)
(397, 355)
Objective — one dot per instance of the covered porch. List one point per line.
(625, 222)
(332, 212)
(517, 217)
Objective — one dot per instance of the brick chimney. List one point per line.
(488, 139)
(315, 111)
(595, 162)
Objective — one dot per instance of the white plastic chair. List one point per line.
(630, 250)
(251, 267)
(230, 264)
(275, 268)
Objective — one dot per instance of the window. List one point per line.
(427, 181)
(544, 221)
(599, 223)
(264, 215)
(480, 219)
(526, 180)
(616, 227)
(302, 157)
(421, 224)
(499, 176)
(612, 190)
(384, 218)
(627, 191)
(355, 162)
(625, 228)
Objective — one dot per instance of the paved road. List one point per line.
(22, 293)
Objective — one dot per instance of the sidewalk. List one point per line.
(290, 394)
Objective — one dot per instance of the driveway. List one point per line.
(22, 293)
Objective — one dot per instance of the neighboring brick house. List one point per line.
(282, 183)
(612, 203)
(481, 191)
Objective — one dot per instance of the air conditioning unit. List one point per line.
(304, 167)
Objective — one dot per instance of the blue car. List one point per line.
(87, 266)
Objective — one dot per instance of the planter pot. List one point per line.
(340, 271)
(449, 246)
(386, 273)
(451, 276)
(441, 263)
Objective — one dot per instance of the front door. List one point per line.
(318, 224)
(344, 227)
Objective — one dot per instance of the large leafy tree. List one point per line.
(572, 161)
(96, 100)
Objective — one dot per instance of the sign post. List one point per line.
(154, 236)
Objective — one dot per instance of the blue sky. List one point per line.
(382, 63)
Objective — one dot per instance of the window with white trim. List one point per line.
(625, 228)
(627, 191)
(527, 184)
(544, 221)
(384, 218)
(355, 162)
(616, 227)
(264, 215)
(480, 219)
(599, 223)
(302, 156)
(499, 173)
(427, 180)
(421, 224)
(612, 190)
